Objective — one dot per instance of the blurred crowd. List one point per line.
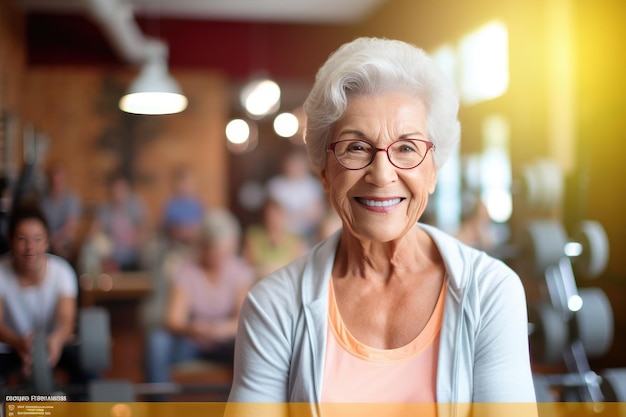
(201, 260)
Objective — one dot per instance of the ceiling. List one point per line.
(285, 39)
(288, 39)
(286, 11)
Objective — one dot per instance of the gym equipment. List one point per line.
(95, 340)
(126, 391)
(94, 349)
(542, 184)
(549, 334)
(593, 323)
(571, 325)
(41, 371)
(111, 391)
(542, 245)
(614, 384)
(594, 255)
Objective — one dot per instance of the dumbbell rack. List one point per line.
(94, 346)
(571, 325)
(566, 299)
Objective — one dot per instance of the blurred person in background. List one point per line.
(386, 310)
(5, 209)
(62, 208)
(38, 293)
(330, 223)
(270, 245)
(184, 210)
(120, 227)
(300, 194)
(204, 300)
(177, 239)
(476, 228)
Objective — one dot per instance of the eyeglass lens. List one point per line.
(357, 154)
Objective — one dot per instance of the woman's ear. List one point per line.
(323, 180)
(432, 181)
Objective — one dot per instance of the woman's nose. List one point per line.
(381, 170)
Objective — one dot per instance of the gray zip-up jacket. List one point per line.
(483, 353)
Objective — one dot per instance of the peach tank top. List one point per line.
(356, 373)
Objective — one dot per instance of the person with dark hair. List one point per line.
(38, 293)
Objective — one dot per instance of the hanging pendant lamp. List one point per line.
(154, 91)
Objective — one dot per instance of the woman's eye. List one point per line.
(406, 148)
(356, 147)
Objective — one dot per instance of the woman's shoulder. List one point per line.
(464, 262)
(287, 277)
(6, 270)
(56, 261)
(59, 265)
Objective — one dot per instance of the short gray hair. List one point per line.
(372, 66)
(219, 224)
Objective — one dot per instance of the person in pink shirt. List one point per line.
(204, 299)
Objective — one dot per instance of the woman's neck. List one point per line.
(364, 258)
(28, 277)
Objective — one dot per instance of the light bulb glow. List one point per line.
(153, 103)
(286, 125)
(237, 131)
(261, 97)
(575, 303)
(573, 249)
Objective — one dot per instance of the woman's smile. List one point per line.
(379, 204)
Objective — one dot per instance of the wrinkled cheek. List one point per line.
(340, 202)
(419, 207)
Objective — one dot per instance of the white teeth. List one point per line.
(378, 203)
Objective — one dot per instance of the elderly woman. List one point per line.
(37, 294)
(205, 296)
(387, 309)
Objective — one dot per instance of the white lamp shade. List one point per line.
(154, 91)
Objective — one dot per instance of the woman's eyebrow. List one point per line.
(353, 132)
(362, 135)
(411, 135)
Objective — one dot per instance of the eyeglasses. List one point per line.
(403, 154)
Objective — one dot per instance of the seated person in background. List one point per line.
(119, 228)
(477, 228)
(62, 208)
(206, 292)
(184, 210)
(270, 245)
(5, 208)
(300, 194)
(178, 235)
(37, 294)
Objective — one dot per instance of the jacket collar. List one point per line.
(319, 267)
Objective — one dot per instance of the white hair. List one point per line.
(219, 224)
(373, 66)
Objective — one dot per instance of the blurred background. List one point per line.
(541, 84)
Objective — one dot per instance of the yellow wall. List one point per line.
(566, 94)
(601, 106)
